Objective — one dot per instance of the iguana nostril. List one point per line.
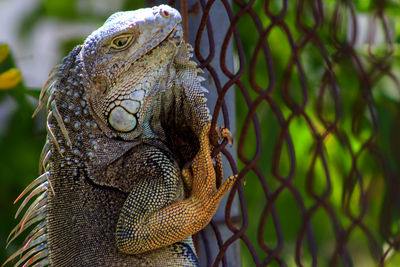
(165, 13)
(121, 120)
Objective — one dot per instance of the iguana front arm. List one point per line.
(126, 113)
(146, 223)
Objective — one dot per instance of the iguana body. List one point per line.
(126, 112)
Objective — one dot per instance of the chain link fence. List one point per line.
(317, 101)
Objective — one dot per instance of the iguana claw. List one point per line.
(222, 133)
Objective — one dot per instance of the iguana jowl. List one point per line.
(126, 114)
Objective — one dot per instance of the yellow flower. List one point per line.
(11, 77)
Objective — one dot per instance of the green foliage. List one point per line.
(60, 9)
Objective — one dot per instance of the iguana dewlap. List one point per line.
(126, 113)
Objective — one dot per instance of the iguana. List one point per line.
(128, 174)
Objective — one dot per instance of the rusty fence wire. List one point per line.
(318, 118)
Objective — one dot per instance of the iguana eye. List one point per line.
(121, 42)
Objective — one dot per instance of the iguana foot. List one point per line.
(219, 134)
(205, 187)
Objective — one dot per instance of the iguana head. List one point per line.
(126, 61)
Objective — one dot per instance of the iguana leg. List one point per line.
(187, 177)
(220, 133)
(219, 175)
(145, 223)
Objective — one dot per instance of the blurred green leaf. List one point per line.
(64, 9)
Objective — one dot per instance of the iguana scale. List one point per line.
(128, 174)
